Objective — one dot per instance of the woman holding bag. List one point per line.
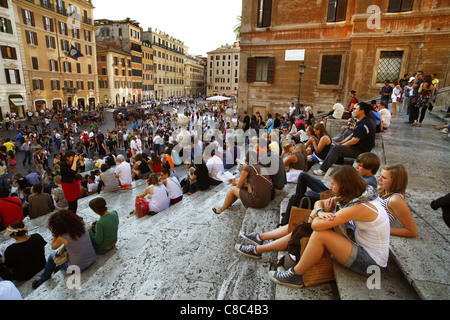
(69, 231)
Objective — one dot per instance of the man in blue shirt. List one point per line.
(32, 178)
(362, 139)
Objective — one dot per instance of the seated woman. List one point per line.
(157, 195)
(69, 230)
(321, 144)
(108, 180)
(103, 232)
(25, 257)
(141, 170)
(155, 163)
(295, 162)
(391, 189)
(354, 200)
(254, 187)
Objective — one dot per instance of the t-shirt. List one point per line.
(106, 228)
(8, 291)
(338, 111)
(26, 258)
(110, 181)
(385, 115)
(365, 131)
(215, 165)
(10, 210)
(124, 172)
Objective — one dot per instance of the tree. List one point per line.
(237, 28)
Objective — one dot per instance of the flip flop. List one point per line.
(215, 211)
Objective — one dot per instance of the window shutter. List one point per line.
(8, 79)
(407, 5)
(267, 13)
(28, 36)
(17, 72)
(250, 69)
(332, 6)
(47, 41)
(271, 70)
(70, 67)
(13, 53)
(331, 69)
(58, 85)
(395, 5)
(4, 54)
(35, 38)
(41, 84)
(32, 19)
(341, 10)
(52, 29)
(4, 3)
(24, 16)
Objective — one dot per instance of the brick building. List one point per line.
(345, 45)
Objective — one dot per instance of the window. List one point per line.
(31, 37)
(336, 10)
(67, 67)
(55, 84)
(38, 84)
(64, 45)
(63, 28)
(4, 3)
(53, 65)
(12, 76)
(260, 69)
(331, 69)
(389, 65)
(264, 13)
(28, 17)
(400, 5)
(87, 35)
(5, 25)
(48, 24)
(50, 42)
(9, 53)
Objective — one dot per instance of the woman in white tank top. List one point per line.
(357, 202)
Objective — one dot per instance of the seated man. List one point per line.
(108, 181)
(361, 140)
(336, 113)
(123, 172)
(215, 166)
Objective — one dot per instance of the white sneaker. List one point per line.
(319, 172)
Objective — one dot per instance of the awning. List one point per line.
(17, 101)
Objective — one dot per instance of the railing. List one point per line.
(87, 20)
(61, 10)
(67, 90)
(47, 4)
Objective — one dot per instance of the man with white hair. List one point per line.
(123, 173)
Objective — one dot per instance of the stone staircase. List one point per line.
(187, 252)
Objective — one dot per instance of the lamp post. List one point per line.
(301, 70)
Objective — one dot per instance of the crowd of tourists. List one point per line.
(76, 160)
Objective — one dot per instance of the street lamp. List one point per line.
(301, 70)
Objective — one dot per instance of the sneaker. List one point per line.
(319, 172)
(287, 278)
(36, 284)
(252, 237)
(248, 251)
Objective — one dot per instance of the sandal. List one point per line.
(419, 124)
(216, 211)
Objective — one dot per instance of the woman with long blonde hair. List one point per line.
(391, 189)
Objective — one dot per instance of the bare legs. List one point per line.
(231, 197)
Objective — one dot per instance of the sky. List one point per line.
(203, 25)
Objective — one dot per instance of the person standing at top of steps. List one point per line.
(361, 140)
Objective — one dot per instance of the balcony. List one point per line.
(70, 90)
(47, 4)
(61, 10)
(87, 20)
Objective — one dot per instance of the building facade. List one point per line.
(223, 71)
(148, 81)
(194, 76)
(47, 30)
(168, 62)
(125, 36)
(344, 44)
(13, 96)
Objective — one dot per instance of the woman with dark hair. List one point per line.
(103, 232)
(426, 94)
(25, 257)
(69, 230)
(39, 203)
(320, 143)
(69, 183)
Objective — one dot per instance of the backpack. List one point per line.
(292, 257)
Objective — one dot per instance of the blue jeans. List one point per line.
(50, 266)
(305, 181)
(359, 260)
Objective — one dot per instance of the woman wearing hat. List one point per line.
(25, 257)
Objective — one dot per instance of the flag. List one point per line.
(74, 53)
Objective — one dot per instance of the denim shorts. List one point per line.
(359, 260)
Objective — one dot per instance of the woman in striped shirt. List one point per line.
(391, 189)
